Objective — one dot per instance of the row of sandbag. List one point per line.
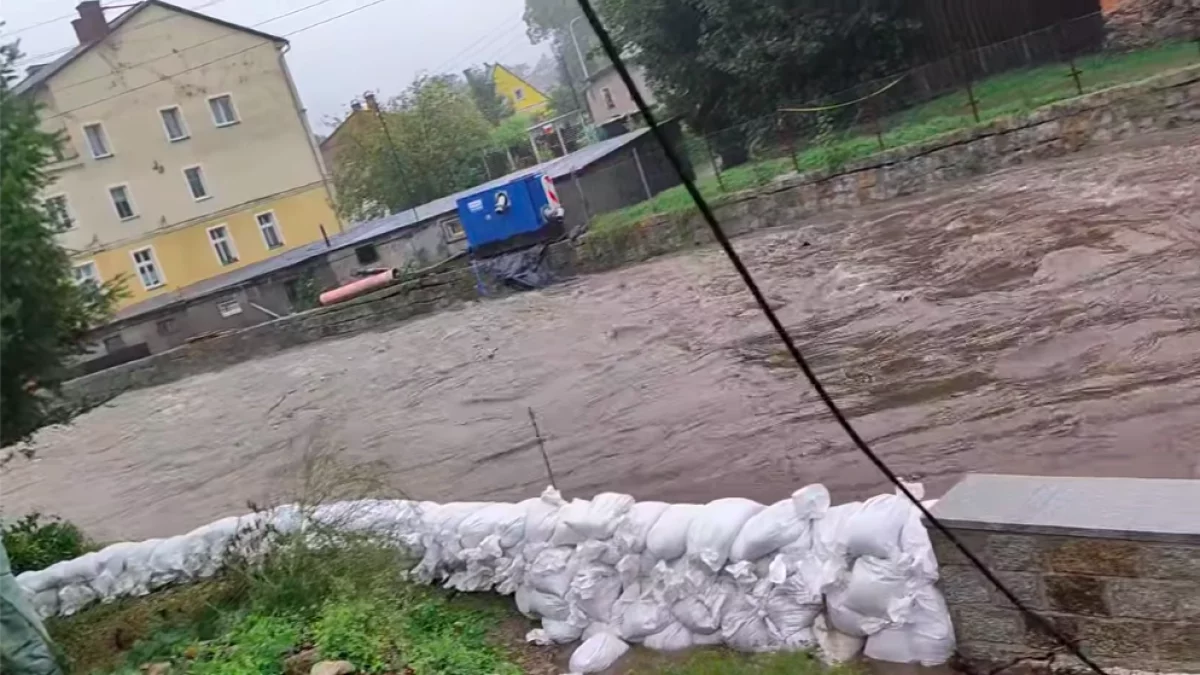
(612, 570)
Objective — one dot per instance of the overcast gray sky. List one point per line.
(380, 48)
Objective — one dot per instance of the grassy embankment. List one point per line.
(1010, 93)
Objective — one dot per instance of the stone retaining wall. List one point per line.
(1113, 563)
(1163, 102)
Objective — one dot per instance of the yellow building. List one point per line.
(522, 96)
(187, 153)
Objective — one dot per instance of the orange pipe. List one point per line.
(356, 288)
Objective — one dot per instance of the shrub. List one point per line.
(38, 541)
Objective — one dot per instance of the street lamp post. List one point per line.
(578, 51)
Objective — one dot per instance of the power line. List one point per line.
(220, 58)
(618, 63)
(180, 51)
(63, 50)
(35, 25)
(457, 56)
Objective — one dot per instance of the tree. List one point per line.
(725, 62)
(491, 105)
(44, 315)
(563, 23)
(426, 143)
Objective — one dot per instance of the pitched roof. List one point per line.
(47, 71)
(513, 73)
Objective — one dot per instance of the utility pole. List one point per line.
(562, 64)
(391, 144)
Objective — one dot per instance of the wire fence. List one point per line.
(972, 87)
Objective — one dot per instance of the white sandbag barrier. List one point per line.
(611, 571)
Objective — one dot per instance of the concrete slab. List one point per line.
(1118, 508)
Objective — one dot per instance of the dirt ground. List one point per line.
(1044, 319)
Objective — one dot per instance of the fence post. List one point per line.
(587, 217)
(712, 158)
(970, 89)
(789, 139)
(637, 161)
(1075, 72)
(876, 123)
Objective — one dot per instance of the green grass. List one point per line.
(347, 602)
(1015, 92)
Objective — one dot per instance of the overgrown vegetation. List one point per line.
(1011, 93)
(44, 314)
(37, 541)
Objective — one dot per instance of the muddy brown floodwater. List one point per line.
(1044, 319)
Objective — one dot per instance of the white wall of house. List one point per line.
(608, 97)
(161, 58)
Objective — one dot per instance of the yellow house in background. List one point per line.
(522, 96)
(187, 153)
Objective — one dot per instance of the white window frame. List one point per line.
(70, 213)
(225, 314)
(606, 97)
(237, 117)
(274, 225)
(158, 270)
(228, 239)
(108, 146)
(203, 183)
(183, 127)
(128, 199)
(93, 277)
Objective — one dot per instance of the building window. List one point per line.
(172, 120)
(86, 273)
(147, 268)
(59, 212)
(269, 229)
(166, 326)
(114, 342)
(519, 94)
(609, 102)
(223, 112)
(122, 202)
(195, 181)
(222, 243)
(97, 140)
(366, 254)
(453, 229)
(229, 307)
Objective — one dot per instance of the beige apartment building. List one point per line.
(187, 153)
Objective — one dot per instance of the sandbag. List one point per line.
(594, 590)
(874, 529)
(927, 638)
(541, 516)
(714, 528)
(596, 519)
(673, 638)
(744, 626)
(505, 521)
(667, 540)
(631, 532)
(875, 588)
(599, 652)
(835, 646)
(639, 612)
(701, 610)
(535, 604)
(551, 572)
(781, 524)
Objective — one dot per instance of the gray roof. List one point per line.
(47, 71)
(360, 233)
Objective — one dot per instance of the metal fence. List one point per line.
(1067, 59)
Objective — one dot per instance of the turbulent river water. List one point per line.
(1043, 319)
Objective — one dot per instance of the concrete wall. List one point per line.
(414, 247)
(1164, 102)
(1113, 563)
